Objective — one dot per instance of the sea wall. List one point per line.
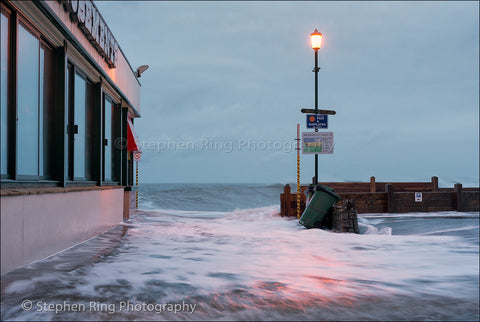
(393, 197)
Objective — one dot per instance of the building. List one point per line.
(68, 98)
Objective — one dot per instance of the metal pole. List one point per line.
(136, 183)
(316, 108)
(298, 171)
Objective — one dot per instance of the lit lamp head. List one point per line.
(316, 39)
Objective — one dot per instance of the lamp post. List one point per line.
(316, 40)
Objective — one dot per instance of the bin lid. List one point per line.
(327, 190)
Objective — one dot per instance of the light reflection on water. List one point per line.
(252, 264)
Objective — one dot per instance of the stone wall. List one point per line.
(344, 217)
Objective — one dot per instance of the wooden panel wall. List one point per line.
(395, 197)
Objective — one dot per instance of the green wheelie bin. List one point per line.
(322, 200)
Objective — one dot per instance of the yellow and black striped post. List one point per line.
(298, 171)
(136, 183)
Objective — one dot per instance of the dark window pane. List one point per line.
(69, 117)
(116, 152)
(40, 114)
(4, 65)
(108, 136)
(79, 120)
(27, 102)
(47, 116)
(89, 132)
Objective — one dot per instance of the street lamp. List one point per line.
(316, 40)
(140, 70)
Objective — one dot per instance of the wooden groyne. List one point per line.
(393, 197)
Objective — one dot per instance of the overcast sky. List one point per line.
(227, 80)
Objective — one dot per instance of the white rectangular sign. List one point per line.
(418, 197)
(317, 142)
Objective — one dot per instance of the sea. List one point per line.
(223, 252)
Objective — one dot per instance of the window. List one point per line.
(4, 88)
(34, 105)
(108, 155)
(89, 132)
(112, 148)
(80, 126)
(27, 102)
(31, 113)
(47, 113)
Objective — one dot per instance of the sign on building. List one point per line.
(418, 197)
(317, 121)
(317, 142)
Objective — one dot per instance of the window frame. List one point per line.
(42, 42)
(53, 109)
(107, 98)
(10, 84)
(72, 71)
(115, 130)
(57, 138)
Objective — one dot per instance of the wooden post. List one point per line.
(126, 204)
(434, 184)
(285, 201)
(282, 203)
(458, 190)
(389, 191)
(373, 187)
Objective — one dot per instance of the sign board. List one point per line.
(137, 156)
(418, 197)
(318, 111)
(317, 142)
(317, 121)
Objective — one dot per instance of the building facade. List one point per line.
(68, 102)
